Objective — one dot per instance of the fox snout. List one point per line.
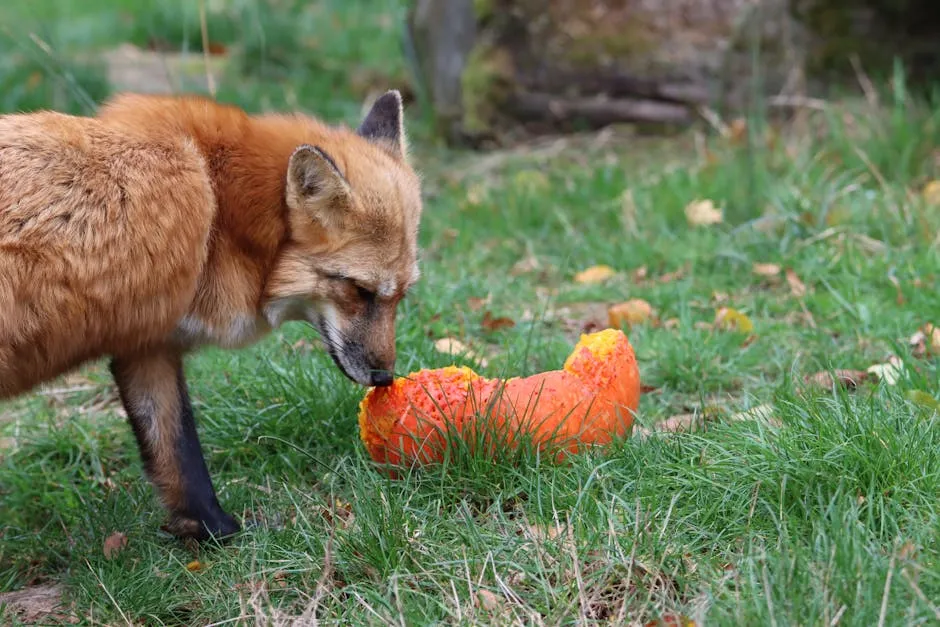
(362, 365)
(365, 367)
(363, 348)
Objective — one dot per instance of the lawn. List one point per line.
(820, 508)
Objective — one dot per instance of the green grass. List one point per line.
(829, 516)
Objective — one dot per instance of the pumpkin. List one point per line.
(588, 402)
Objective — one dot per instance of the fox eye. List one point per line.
(365, 293)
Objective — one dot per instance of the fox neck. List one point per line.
(248, 170)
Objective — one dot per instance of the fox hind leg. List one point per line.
(154, 393)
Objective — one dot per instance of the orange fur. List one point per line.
(167, 223)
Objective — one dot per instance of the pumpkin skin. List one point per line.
(588, 402)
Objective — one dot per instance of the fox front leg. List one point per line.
(154, 393)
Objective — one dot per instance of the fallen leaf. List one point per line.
(849, 379)
(765, 269)
(494, 324)
(680, 422)
(114, 544)
(797, 287)
(728, 318)
(194, 566)
(761, 413)
(581, 318)
(908, 550)
(476, 195)
(925, 400)
(633, 311)
(703, 213)
(719, 297)
(933, 333)
(594, 274)
(526, 265)
(543, 532)
(452, 346)
(476, 304)
(488, 600)
(737, 130)
(931, 193)
(931, 338)
(669, 277)
(671, 323)
(37, 605)
(639, 275)
(888, 372)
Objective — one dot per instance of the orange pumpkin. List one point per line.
(587, 403)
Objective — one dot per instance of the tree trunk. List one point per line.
(496, 69)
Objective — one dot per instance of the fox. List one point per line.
(162, 224)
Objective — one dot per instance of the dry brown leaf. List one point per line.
(732, 319)
(633, 311)
(526, 265)
(489, 601)
(114, 544)
(495, 324)
(669, 277)
(194, 566)
(38, 605)
(908, 550)
(476, 304)
(761, 413)
(719, 297)
(926, 341)
(765, 269)
(737, 130)
(889, 372)
(849, 379)
(594, 274)
(543, 532)
(703, 213)
(581, 318)
(931, 193)
(680, 422)
(452, 346)
(671, 323)
(476, 195)
(639, 275)
(797, 287)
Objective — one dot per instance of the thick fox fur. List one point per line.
(168, 223)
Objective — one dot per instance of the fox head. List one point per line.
(353, 207)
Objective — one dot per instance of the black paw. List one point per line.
(216, 526)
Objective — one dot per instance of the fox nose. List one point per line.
(381, 378)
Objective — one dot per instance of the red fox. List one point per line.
(166, 223)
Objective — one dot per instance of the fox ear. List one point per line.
(384, 124)
(314, 182)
